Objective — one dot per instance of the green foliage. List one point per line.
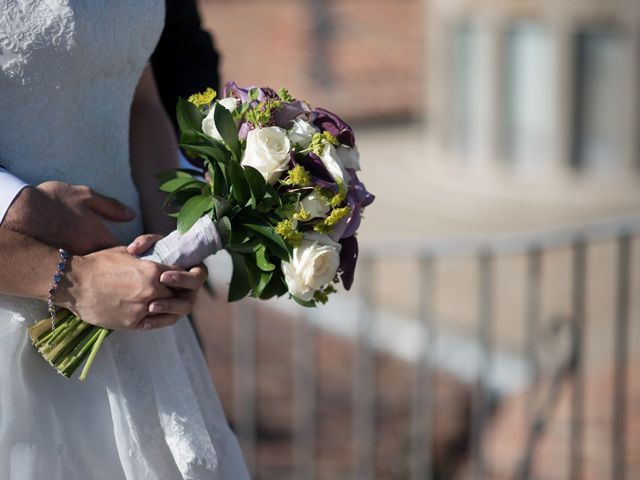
(304, 303)
(193, 210)
(284, 95)
(240, 187)
(263, 261)
(239, 286)
(271, 239)
(189, 116)
(226, 126)
(257, 185)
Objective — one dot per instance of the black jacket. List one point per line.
(185, 60)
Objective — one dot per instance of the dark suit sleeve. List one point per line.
(185, 60)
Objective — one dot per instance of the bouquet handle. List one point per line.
(188, 249)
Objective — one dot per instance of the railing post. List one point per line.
(244, 379)
(534, 281)
(422, 405)
(619, 432)
(364, 384)
(304, 382)
(578, 387)
(481, 400)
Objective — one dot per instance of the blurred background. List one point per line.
(493, 331)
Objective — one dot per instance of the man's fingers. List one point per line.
(172, 306)
(142, 244)
(109, 208)
(191, 280)
(158, 321)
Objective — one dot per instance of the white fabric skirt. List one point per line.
(147, 411)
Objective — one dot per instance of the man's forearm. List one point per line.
(27, 265)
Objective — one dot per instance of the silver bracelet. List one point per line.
(55, 281)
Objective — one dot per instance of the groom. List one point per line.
(184, 62)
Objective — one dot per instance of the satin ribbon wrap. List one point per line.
(188, 249)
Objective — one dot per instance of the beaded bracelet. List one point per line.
(55, 281)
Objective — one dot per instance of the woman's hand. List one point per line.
(183, 284)
(112, 289)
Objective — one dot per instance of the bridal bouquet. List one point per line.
(278, 189)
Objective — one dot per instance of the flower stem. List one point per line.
(94, 350)
(78, 354)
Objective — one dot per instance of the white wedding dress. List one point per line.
(68, 70)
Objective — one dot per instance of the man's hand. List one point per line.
(184, 285)
(68, 216)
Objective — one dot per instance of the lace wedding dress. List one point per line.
(68, 70)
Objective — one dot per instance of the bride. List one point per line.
(75, 92)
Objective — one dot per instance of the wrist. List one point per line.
(70, 287)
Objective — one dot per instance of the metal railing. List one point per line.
(429, 254)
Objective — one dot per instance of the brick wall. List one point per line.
(368, 68)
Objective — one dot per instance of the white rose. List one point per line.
(315, 205)
(302, 132)
(333, 163)
(268, 152)
(350, 157)
(314, 264)
(209, 125)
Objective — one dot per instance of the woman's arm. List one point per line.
(153, 147)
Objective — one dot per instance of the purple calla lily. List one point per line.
(282, 117)
(357, 198)
(232, 90)
(326, 120)
(348, 260)
(318, 171)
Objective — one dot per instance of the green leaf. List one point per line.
(177, 173)
(272, 240)
(192, 211)
(239, 286)
(304, 303)
(265, 278)
(262, 261)
(254, 93)
(248, 246)
(227, 128)
(180, 183)
(221, 206)
(190, 137)
(238, 237)
(257, 184)
(275, 288)
(241, 191)
(224, 230)
(219, 184)
(213, 151)
(180, 197)
(188, 115)
(253, 272)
